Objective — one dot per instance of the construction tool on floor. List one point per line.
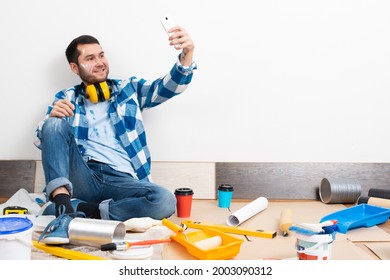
(206, 244)
(14, 210)
(285, 221)
(65, 253)
(380, 193)
(231, 229)
(361, 215)
(376, 201)
(312, 229)
(124, 245)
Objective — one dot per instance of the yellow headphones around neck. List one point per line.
(98, 92)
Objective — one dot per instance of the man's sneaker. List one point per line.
(50, 208)
(56, 232)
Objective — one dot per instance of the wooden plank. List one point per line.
(14, 175)
(300, 180)
(200, 176)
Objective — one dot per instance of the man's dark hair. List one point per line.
(72, 52)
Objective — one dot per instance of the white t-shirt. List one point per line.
(102, 143)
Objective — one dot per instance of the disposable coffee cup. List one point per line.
(225, 194)
(183, 202)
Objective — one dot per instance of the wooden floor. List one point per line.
(349, 246)
(279, 182)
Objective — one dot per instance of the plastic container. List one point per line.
(317, 246)
(361, 215)
(15, 238)
(228, 249)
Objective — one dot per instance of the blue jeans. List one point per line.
(119, 195)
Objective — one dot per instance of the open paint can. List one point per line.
(317, 246)
(15, 238)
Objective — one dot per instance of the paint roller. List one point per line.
(380, 193)
(204, 244)
(285, 221)
(376, 201)
(209, 243)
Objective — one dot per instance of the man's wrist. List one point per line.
(185, 69)
(186, 57)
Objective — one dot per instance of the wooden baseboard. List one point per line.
(200, 176)
(274, 180)
(297, 180)
(16, 174)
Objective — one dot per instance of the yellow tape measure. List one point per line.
(14, 210)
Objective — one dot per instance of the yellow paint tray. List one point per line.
(229, 248)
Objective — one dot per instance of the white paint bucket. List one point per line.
(15, 238)
(317, 246)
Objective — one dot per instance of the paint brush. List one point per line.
(124, 245)
(311, 229)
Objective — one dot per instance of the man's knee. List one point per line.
(54, 125)
(168, 205)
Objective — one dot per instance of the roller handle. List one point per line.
(285, 221)
(382, 202)
(172, 226)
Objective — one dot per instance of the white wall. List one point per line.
(277, 80)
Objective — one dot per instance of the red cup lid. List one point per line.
(184, 191)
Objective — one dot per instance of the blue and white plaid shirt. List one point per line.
(128, 99)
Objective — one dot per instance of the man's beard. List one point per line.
(89, 78)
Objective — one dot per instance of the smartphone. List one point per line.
(167, 22)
